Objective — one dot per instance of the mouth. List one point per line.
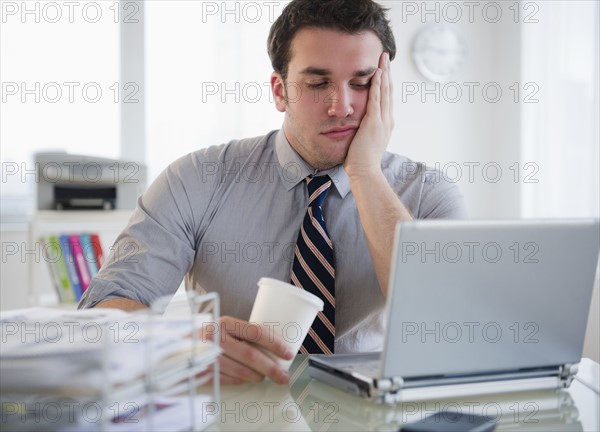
(340, 133)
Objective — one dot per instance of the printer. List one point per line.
(67, 181)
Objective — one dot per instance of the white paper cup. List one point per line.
(287, 311)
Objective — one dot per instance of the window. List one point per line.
(207, 75)
(561, 132)
(59, 67)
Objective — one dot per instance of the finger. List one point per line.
(385, 89)
(374, 103)
(237, 370)
(259, 335)
(265, 337)
(382, 60)
(223, 377)
(391, 93)
(243, 353)
(259, 362)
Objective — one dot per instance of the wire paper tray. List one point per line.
(142, 371)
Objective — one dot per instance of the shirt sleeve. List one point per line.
(426, 192)
(153, 253)
(441, 199)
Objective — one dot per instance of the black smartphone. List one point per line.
(451, 422)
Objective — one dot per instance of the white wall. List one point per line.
(14, 274)
(462, 133)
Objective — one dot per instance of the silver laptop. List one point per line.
(477, 307)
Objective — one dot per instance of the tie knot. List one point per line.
(317, 189)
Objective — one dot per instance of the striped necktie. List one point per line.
(313, 267)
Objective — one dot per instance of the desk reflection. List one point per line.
(309, 405)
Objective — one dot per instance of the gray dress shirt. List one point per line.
(227, 215)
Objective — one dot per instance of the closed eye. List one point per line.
(318, 85)
(364, 85)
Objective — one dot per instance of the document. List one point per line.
(58, 366)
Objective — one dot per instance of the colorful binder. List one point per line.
(71, 266)
(89, 254)
(95, 239)
(73, 260)
(80, 263)
(58, 268)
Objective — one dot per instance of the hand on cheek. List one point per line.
(375, 129)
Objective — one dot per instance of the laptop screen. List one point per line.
(488, 296)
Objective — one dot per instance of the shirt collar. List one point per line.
(293, 169)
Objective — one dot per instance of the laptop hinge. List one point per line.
(387, 384)
(567, 373)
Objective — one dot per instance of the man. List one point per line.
(227, 215)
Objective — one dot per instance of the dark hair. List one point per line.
(346, 16)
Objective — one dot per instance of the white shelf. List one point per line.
(106, 223)
(83, 219)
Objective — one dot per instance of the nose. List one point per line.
(340, 102)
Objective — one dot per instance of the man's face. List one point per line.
(325, 94)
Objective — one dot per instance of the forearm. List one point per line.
(380, 210)
(124, 304)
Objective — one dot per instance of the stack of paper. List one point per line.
(57, 365)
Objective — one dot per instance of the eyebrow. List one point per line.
(324, 72)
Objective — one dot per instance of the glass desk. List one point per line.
(309, 405)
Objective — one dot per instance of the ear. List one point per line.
(278, 90)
